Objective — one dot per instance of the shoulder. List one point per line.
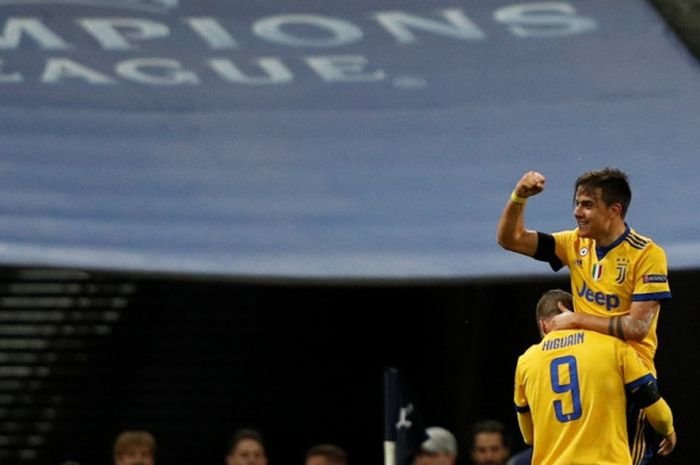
(643, 250)
(601, 341)
(530, 350)
(567, 235)
(641, 242)
(528, 355)
(637, 240)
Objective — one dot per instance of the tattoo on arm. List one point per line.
(615, 327)
(618, 328)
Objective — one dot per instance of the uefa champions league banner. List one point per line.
(316, 138)
(258, 54)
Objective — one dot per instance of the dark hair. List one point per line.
(246, 433)
(547, 305)
(489, 426)
(334, 454)
(613, 183)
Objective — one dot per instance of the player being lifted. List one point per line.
(571, 390)
(618, 277)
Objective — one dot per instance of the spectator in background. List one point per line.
(134, 448)
(489, 443)
(247, 448)
(439, 449)
(326, 454)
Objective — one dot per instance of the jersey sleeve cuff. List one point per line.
(546, 251)
(646, 379)
(523, 409)
(651, 296)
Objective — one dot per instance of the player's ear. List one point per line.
(616, 208)
(561, 307)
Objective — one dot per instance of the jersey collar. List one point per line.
(602, 251)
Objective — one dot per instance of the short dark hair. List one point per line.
(245, 433)
(613, 183)
(547, 305)
(334, 454)
(489, 426)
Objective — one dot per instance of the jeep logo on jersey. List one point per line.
(609, 301)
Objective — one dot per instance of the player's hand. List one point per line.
(667, 444)
(565, 320)
(532, 183)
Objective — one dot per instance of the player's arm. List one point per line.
(645, 394)
(634, 326)
(511, 233)
(522, 406)
(651, 286)
(661, 419)
(526, 426)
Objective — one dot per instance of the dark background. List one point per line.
(193, 359)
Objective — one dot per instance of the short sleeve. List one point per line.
(634, 371)
(651, 276)
(519, 398)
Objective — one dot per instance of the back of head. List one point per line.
(613, 183)
(439, 440)
(547, 305)
(333, 454)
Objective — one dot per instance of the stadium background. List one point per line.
(192, 359)
(86, 353)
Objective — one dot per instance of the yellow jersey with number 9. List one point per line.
(573, 385)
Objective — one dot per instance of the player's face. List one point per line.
(593, 217)
(135, 456)
(489, 449)
(247, 452)
(317, 460)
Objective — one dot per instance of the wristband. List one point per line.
(515, 198)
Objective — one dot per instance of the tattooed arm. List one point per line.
(634, 326)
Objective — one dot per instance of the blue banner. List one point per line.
(331, 139)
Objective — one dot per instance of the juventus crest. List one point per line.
(621, 267)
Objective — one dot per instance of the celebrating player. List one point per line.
(618, 277)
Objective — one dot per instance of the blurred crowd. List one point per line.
(488, 441)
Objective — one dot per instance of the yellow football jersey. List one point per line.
(605, 281)
(573, 384)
